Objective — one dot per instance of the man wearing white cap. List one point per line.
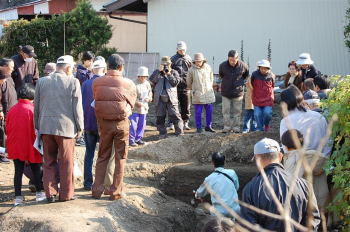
(91, 136)
(308, 70)
(139, 113)
(181, 62)
(58, 117)
(268, 156)
(263, 82)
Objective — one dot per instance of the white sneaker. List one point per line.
(40, 196)
(19, 200)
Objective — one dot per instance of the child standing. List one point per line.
(263, 82)
(138, 117)
(249, 123)
(20, 140)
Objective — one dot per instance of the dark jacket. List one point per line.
(8, 95)
(24, 72)
(263, 86)
(312, 72)
(298, 81)
(233, 79)
(114, 96)
(166, 83)
(181, 64)
(90, 122)
(256, 194)
(83, 74)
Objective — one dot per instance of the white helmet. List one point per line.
(264, 63)
(304, 58)
(142, 71)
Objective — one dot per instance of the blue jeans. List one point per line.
(263, 115)
(249, 123)
(91, 139)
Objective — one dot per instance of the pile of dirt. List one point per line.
(144, 209)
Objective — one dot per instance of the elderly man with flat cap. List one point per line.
(26, 67)
(268, 157)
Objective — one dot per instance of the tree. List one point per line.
(347, 29)
(85, 30)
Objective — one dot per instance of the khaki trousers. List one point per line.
(58, 151)
(117, 133)
(236, 105)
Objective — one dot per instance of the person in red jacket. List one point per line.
(20, 140)
(263, 82)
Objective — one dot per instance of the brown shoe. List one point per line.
(107, 192)
(96, 195)
(115, 197)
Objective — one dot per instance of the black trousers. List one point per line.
(37, 174)
(185, 104)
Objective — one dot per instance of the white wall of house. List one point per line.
(98, 4)
(216, 26)
(128, 36)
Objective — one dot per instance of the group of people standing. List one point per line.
(96, 102)
(54, 111)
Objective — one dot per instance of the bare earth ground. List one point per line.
(160, 177)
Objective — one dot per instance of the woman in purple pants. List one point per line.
(138, 117)
(200, 80)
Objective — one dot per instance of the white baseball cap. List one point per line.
(181, 45)
(67, 59)
(266, 145)
(99, 64)
(264, 63)
(142, 71)
(304, 58)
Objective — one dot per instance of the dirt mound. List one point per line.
(144, 209)
(199, 147)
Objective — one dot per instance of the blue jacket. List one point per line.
(224, 188)
(256, 194)
(90, 122)
(83, 74)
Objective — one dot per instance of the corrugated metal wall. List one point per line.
(216, 26)
(134, 60)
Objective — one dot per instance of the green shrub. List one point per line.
(338, 103)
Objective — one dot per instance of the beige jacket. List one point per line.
(248, 103)
(144, 95)
(319, 176)
(58, 108)
(200, 81)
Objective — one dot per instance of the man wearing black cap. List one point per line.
(26, 67)
(233, 74)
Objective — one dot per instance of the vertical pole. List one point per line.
(64, 34)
